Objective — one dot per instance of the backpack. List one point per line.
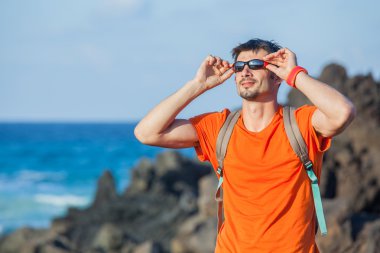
(299, 147)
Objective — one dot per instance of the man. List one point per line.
(268, 202)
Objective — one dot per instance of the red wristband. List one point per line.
(293, 74)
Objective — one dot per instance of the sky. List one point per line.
(114, 60)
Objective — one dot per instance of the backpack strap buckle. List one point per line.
(308, 165)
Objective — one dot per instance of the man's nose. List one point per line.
(246, 71)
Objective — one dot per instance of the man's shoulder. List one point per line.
(305, 107)
(217, 116)
(304, 112)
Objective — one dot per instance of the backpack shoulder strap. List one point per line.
(224, 136)
(299, 147)
(294, 135)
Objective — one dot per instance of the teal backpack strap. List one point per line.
(298, 144)
(221, 149)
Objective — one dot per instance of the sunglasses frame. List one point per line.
(262, 65)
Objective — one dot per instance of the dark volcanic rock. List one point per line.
(106, 191)
(171, 173)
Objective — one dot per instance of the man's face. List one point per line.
(257, 84)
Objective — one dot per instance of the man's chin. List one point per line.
(250, 96)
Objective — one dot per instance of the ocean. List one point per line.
(47, 167)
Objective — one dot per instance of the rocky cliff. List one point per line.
(169, 205)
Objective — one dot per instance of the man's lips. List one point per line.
(247, 83)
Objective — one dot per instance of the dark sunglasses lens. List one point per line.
(255, 64)
(239, 66)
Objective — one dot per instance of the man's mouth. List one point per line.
(247, 84)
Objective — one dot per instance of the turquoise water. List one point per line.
(45, 168)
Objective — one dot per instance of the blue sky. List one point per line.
(113, 60)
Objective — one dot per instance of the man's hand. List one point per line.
(284, 59)
(334, 111)
(213, 72)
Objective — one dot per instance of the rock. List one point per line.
(28, 240)
(14, 242)
(206, 201)
(142, 177)
(53, 248)
(336, 76)
(109, 237)
(106, 191)
(171, 173)
(147, 247)
(369, 239)
(339, 228)
(168, 161)
(196, 235)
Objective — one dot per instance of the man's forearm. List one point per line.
(161, 116)
(160, 127)
(334, 105)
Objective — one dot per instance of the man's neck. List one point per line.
(258, 115)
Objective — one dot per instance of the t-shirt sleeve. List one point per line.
(207, 127)
(304, 116)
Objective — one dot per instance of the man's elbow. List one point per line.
(348, 114)
(142, 136)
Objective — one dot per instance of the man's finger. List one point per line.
(227, 74)
(271, 55)
(276, 62)
(225, 64)
(218, 61)
(211, 60)
(275, 54)
(272, 68)
(224, 69)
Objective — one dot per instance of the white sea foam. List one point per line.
(29, 178)
(32, 175)
(61, 200)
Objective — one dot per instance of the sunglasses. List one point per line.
(252, 64)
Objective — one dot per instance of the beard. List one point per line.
(249, 93)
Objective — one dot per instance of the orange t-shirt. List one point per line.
(268, 201)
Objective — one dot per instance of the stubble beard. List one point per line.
(248, 93)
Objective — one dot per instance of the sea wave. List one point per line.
(61, 200)
(32, 175)
(29, 178)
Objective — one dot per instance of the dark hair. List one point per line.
(255, 45)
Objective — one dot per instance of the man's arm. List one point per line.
(160, 126)
(334, 111)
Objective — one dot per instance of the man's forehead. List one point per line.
(251, 54)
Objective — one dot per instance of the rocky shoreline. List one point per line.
(169, 205)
